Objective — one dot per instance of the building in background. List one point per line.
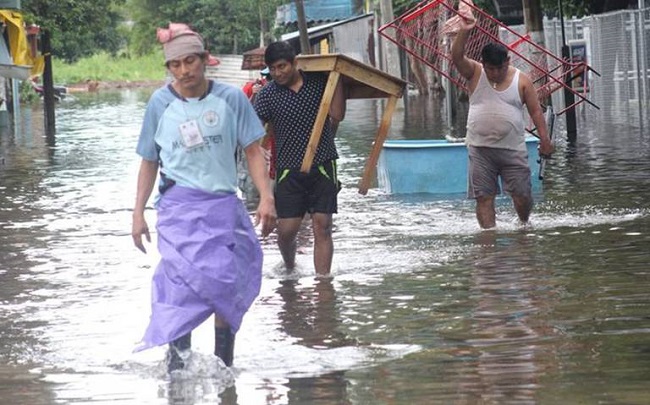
(319, 12)
(20, 58)
(353, 37)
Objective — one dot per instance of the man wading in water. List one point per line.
(211, 260)
(495, 125)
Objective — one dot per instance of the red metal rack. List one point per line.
(419, 32)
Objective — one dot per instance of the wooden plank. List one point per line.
(356, 73)
(322, 63)
(370, 78)
(310, 63)
(371, 163)
(323, 113)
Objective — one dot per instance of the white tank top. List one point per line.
(496, 118)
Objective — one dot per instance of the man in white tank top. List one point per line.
(495, 127)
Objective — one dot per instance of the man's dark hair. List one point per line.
(277, 51)
(494, 54)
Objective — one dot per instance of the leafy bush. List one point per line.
(107, 68)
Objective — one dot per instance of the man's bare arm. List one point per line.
(146, 179)
(466, 67)
(258, 172)
(464, 23)
(536, 114)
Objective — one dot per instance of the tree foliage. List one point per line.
(579, 8)
(230, 26)
(550, 8)
(85, 27)
(78, 27)
(401, 6)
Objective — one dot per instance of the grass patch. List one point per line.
(106, 68)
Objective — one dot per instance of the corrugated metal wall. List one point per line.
(316, 11)
(355, 39)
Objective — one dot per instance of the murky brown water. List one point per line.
(423, 308)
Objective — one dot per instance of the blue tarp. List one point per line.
(316, 10)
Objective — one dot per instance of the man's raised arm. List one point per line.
(466, 67)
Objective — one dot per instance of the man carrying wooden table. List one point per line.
(291, 103)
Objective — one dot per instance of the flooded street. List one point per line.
(423, 307)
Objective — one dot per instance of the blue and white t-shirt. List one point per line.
(224, 117)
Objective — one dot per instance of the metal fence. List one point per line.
(617, 46)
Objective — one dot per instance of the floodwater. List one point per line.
(423, 307)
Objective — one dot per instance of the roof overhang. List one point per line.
(315, 33)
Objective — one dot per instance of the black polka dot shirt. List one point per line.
(293, 115)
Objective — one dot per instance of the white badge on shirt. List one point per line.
(191, 134)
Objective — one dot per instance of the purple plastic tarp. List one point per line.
(211, 262)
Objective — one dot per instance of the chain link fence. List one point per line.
(617, 47)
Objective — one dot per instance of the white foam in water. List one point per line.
(303, 268)
(580, 220)
(301, 361)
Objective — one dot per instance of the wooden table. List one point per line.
(360, 81)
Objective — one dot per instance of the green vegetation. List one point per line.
(106, 68)
(228, 26)
(27, 95)
(78, 28)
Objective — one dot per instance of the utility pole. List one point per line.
(48, 88)
(533, 20)
(569, 98)
(263, 26)
(391, 56)
(302, 28)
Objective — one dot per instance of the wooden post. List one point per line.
(323, 112)
(48, 88)
(390, 63)
(302, 28)
(371, 163)
(533, 20)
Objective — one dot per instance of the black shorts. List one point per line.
(298, 193)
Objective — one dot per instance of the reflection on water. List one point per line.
(509, 292)
(423, 306)
(310, 314)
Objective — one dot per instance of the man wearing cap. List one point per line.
(211, 258)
